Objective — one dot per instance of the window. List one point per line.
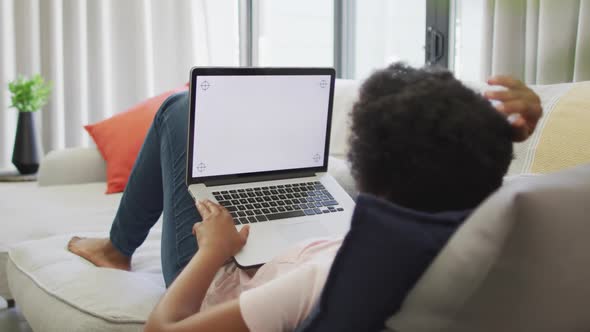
(223, 32)
(388, 31)
(293, 33)
(469, 48)
(354, 36)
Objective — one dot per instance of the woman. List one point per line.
(205, 293)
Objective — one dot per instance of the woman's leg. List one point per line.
(156, 185)
(180, 214)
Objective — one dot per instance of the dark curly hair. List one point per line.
(423, 140)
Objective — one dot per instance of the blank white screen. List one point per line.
(246, 124)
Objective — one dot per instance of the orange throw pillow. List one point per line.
(119, 138)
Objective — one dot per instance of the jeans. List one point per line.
(157, 186)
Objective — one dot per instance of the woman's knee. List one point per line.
(174, 107)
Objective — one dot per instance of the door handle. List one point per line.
(435, 46)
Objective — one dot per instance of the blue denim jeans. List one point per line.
(157, 187)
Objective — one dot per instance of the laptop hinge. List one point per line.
(257, 178)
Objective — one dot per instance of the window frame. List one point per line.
(437, 31)
(438, 18)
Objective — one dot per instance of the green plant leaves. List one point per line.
(29, 95)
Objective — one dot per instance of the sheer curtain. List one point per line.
(538, 41)
(102, 56)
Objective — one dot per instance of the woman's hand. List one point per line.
(216, 234)
(517, 99)
(178, 309)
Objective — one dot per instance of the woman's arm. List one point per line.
(178, 310)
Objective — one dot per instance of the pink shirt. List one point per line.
(282, 292)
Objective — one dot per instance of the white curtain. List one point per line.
(538, 41)
(102, 57)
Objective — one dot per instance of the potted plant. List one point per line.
(28, 96)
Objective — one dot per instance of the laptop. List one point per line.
(258, 144)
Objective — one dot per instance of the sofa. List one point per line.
(57, 291)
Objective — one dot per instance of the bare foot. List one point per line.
(99, 252)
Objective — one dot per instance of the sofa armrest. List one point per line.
(72, 166)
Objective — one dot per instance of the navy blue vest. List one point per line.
(386, 251)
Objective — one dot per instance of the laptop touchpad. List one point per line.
(302, 231)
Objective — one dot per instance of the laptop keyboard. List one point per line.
(261, 204)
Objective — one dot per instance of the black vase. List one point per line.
(25, 155)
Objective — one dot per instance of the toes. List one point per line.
(72, 243)
(73, 240)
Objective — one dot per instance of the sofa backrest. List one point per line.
(344, 97)
(521, 262)
(72, 166)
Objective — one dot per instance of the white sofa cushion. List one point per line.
(519, 263)
(58, 291)
(31, 212)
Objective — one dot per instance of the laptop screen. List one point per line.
(259, 123)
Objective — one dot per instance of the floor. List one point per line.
(11, 320)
